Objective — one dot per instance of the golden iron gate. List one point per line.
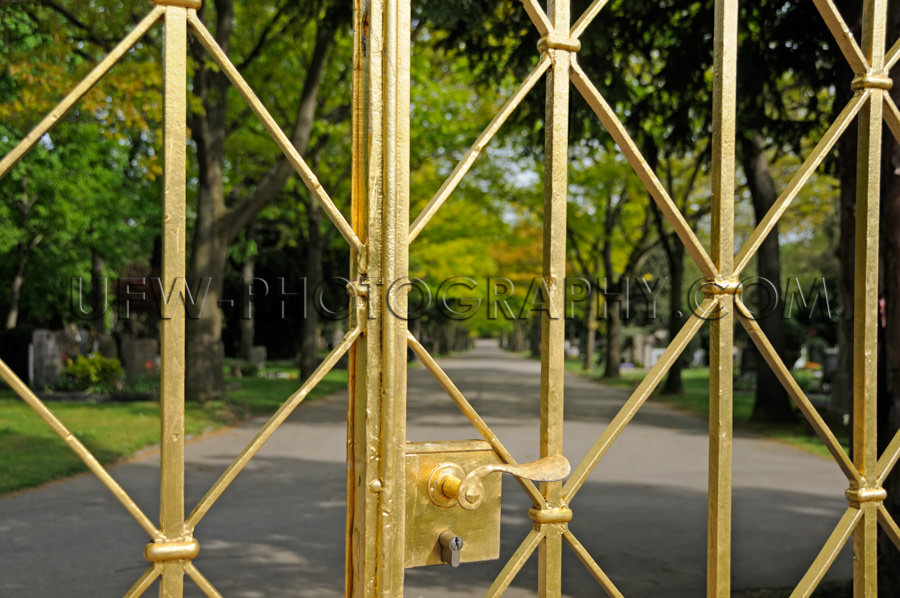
(399, 494)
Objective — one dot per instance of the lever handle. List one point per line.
(469, 491)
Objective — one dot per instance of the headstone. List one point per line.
(257, 357)
(47, 359)
(141, 357)
(68, 341)
(105, 345)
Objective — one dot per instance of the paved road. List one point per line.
(278, 531)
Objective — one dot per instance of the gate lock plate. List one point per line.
(429, 513)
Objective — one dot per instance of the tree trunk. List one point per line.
(771, 402)
(314, 275)
(217, 225)
(613, 341)
(590, 323)
(98, 289)
(15, 294)
(248, 317)
(674, 384)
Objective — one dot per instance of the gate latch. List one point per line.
(454, 485)
(468, 492)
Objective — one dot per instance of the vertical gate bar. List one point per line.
(865, 301)
(378, 384)
(395, 267)
(722, 326)
(356, 361)
(556, 162)
(173, 272)
(364, 434)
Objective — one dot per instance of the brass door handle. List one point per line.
(448, 484)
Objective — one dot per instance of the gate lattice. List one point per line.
(380, 234)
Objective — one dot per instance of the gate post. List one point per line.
(173, 273)
(721, 341)
(865, 299)
(377, 410)
(553, 323)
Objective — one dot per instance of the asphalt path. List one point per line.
(278, 530)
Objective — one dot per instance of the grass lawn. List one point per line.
(33, 454)
(696, 400)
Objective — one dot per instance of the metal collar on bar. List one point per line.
(547, 516)
(195, 4)
(858, 496)
(171, 551)
(870, 81)
(721, 286)
(558, 42)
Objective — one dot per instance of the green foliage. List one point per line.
(94, 373)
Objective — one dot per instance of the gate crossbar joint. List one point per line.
(871, 81)
(551, 41)
(721, 286)
(859, 496)
(195, 4)
(550, 515)
(171, 550)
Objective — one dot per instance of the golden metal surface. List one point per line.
(553, 324)
(870, 81)
(193, 4)
(558, 42)
(171, 551)
(172, 328)
(721, 286)
(391, 486)
(721, 337)
(859, 496)
(395, 258)
(448, 481)
(865, 298)
(55, 115)
(364, 413)
(429, 512)
(548, 516)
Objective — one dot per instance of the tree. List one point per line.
(611, 234)
(226, 201)
(79, 200)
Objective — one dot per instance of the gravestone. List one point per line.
(257, 357)
(47, 360)
(141, 357)
(105, 345)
